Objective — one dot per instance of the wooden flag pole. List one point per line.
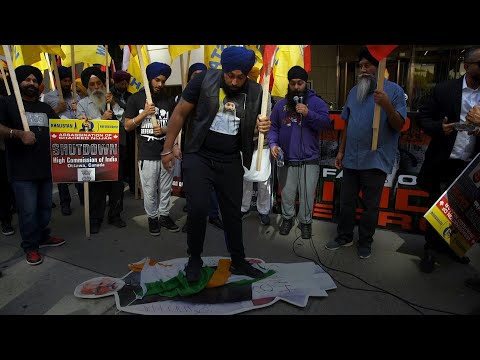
(263, 111)
(50, 72)
(57, 77)
(376, 113)
(74, 84)
(146, 83)
(16, 88)
(188, 66)
(107, 75)
(86, 208)
(5, 80)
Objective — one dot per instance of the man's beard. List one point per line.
(30, 91)
(290, 95)
(365, 86)
(230, 92)
(98, 98)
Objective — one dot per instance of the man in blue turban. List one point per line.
(195, 69)
(65, 109)
(156, 180)
(221, 108)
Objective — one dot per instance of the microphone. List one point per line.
(298, 100)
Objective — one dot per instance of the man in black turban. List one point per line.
(65, 109)
(216, 141)
(28, 162)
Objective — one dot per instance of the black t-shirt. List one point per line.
(222, 142)
(28, 162)
(150, 146)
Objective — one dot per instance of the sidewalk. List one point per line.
(48, 288)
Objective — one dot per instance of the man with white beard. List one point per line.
(364, 169)
(94, 107)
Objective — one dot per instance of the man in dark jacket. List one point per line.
(449, 151)
(225, 106)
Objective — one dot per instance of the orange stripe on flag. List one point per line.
(380, 52)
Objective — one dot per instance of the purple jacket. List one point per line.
(296, 135)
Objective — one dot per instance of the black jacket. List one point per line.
(446, 100)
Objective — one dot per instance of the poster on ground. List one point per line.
(456, 214)
(84, 150)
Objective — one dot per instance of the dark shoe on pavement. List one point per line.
(52, 241)
(245, 214)
(306, 230)
(217, 222)
(7, 229)
(168, 223)
(153, 226)
(243, 267)
(264, 219)
(66, 210)
(473, 283)
(95, 228)
(33, 257)
(364, 252)
(427, 264)
(193, 268)
(286, 226)
(118, 222)
(337, 244)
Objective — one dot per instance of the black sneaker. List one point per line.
(7, 229)
(168, 223)
(264, 219)
(427, 264)
(118, 222)
(286, 226)
(217, 222)
(193, 268)
(243, 267)
(66, 210)
(153, 226)
(306, 230)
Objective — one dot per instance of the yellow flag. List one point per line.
(287, 57)
(255, 72)
(212, 55)
(177, 50)
(31, 54)
(42, 64)
(136, 81)
(92, 54)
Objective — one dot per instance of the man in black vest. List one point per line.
(219, 136)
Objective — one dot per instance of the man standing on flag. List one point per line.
(28, 162)
(296, 124)
(65, 109)
(156, 180)
(364, 169)
(225, 107)
(449, 151)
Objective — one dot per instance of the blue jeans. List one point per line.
(34, 208)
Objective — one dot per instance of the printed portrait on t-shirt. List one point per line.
(146, 129)
(229, 115)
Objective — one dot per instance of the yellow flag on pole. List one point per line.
(91, 54)
(177, 50)
(287, 57)
(136, 81)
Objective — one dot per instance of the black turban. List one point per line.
(297, 72)
(365, 54)
(24, 71)
(64, 72)
(156, 69)
(121, 75)
(88, 72)
(237, 58)
(195, 67)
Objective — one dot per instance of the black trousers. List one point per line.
(64, 193)
(201, 176)
(98, 192)
(446, 176)
(6, 193)
(371, 183)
